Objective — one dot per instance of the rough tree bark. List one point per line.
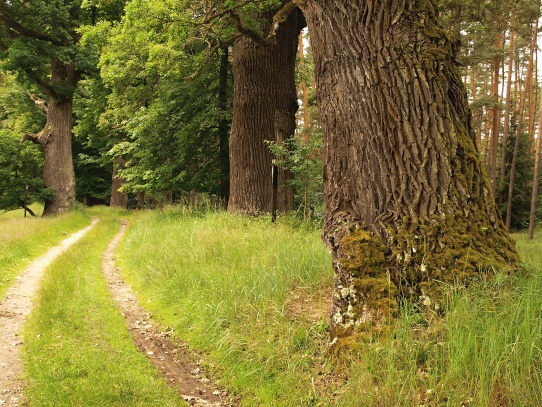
(264, 108)
(56, 138)
(407, 202)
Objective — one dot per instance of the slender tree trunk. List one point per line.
(528, 86)
(407, 203)
(487, 136)
(478, 112)
(304, 92)
(536, 177)
(264, 108)
(533, 90)
(496, 118)
(223, 127)
(508, 103)
(118, 199)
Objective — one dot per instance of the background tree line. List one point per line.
(135, 108)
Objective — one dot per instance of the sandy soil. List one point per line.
(14, 308)
(169, 355)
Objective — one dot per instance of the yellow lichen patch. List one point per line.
(368, 295)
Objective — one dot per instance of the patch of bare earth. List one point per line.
(14, 308)
(169, 355)
(311, 307)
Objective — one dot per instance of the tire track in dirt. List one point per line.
(170, 357)
(14, 308)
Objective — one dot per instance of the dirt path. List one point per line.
(170, 357)
(14, 308)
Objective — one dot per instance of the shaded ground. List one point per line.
(14, 308)
(168, 354)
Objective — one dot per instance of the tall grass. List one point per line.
(484, 350)
(77, 349)
(24, 239)
(223, 283)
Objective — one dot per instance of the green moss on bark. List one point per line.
(368, 295)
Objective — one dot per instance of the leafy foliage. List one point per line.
(303, 160)
(168, 127)
(20, 164)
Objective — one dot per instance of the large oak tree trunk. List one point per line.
(56, 137)
(407, 202)
(264, 108)
(58, 172)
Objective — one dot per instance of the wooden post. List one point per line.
(275, 180)
(25, 199)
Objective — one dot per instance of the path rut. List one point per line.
(171, 357)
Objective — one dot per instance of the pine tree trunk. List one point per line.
(496, 118)
(407, 202)
(304, 92)
(508, 104)
(528, 87)
(487, 136)
(478, 113)
(264, 108)
(118, 199)
(536, 177)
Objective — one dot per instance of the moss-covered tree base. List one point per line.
(419, 262)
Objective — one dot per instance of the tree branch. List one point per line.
(16, 29)
(30, 137)
(46, 86)
(41, 138)
(212, 52)
(279, 18)
(42, 104)
(247, 31)
(30, 211)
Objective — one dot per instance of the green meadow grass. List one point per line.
(225, 284)
(37, 208)
(77, 350)
(24, 239)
